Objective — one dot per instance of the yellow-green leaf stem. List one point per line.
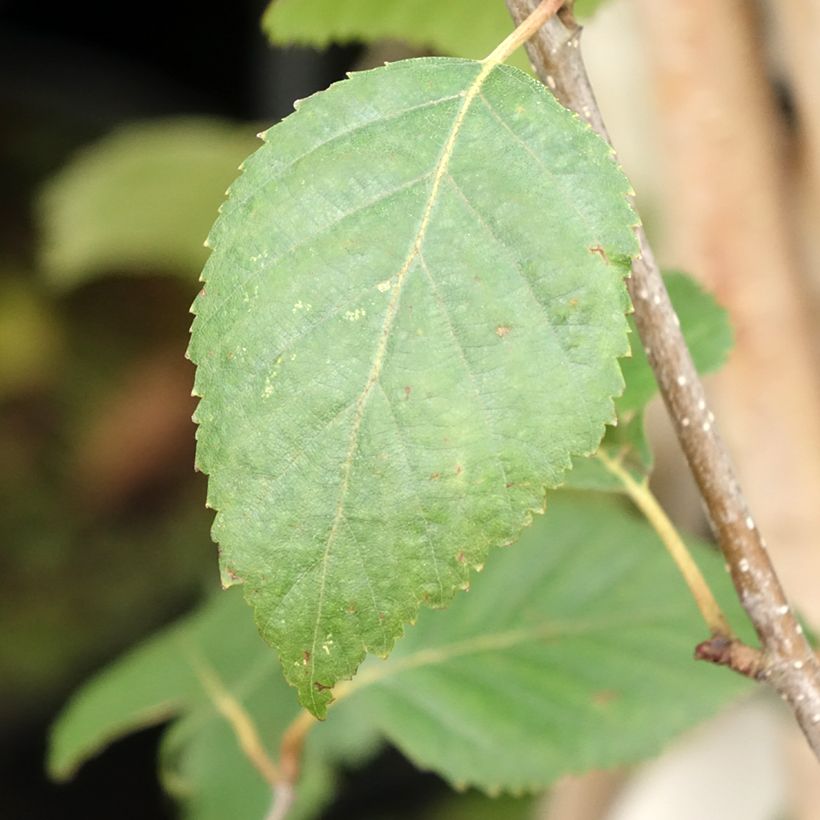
(646, 502)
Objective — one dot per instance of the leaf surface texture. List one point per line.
(411, 320)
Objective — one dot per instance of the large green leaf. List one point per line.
(411, 320)
(458, 27)
(139, 200)
(708, 333)
(571, 652)
(167, 679)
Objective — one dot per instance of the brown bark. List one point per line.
(728, 224)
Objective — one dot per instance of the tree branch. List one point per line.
(788, 663)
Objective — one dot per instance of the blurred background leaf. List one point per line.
(141, 200)
(459, 27)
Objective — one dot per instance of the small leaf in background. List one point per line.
(411, 320)
(457, 27)
(708, 332)
(573, 651)
(460, 28)
(628, 445)
(167, 678)
(140, 200)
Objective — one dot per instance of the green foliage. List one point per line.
(30, 337)
(708, 334)
(140, 200)
(411, 320)
(572, 651)
(706, 328)
(586, 8)
(172, 677)
(458, 27)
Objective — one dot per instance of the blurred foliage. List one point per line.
(102, 513)
(30, 337)
(708, 332)
(460, 28)
(583, 661)
(140, 200)
(106, 537)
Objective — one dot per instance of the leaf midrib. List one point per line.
(381, 349)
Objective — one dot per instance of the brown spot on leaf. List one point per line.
(435, 476)
(600, 251)
(321, 687)
(461, 557)
(502, 330)
(459, 469)
(407, 392)
(305, 658)
(603, 697)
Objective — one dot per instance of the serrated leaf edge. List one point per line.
(319, 705)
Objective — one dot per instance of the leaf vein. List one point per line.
(479, 398)
(381, 349)
(308, 240)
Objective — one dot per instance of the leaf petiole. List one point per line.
(645, 501)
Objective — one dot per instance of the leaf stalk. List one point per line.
(645, 501)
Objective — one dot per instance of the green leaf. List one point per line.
(708, 333)
(411, 320)
(572, 652)
(456, 27)
(139, 200)
(167, 679)
(584, 9)
(477, 806)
